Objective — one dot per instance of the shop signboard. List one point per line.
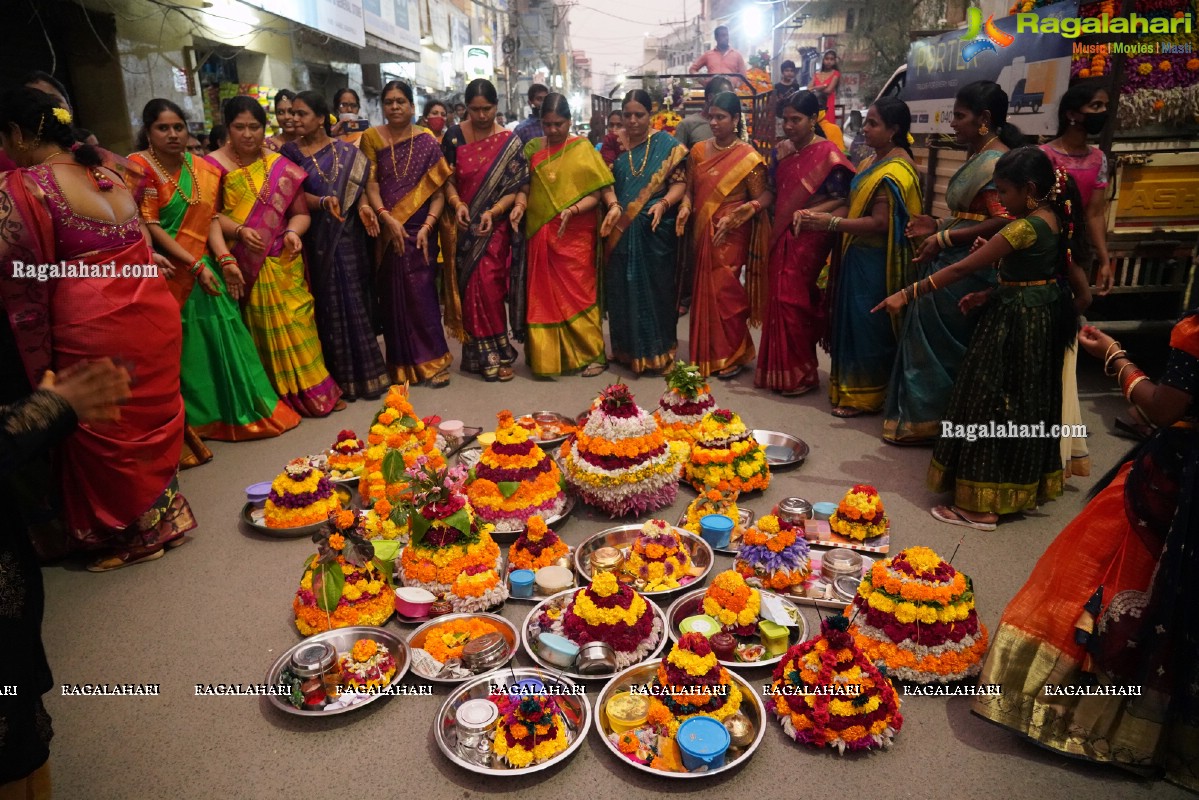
(478, 60)
(394, 21)
(341, 19)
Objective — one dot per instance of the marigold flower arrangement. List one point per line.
(658, 559)
(537, 547)
(620, 461)
(683, 405)
(915, 615)
(726, 456)
(367, 665)
(733, 602)
(347, 457)
(345, 583)
(714, 501)
(860, 514)
(531, 729)
(515, 479)
(691, 683)
(605, 611)
(776, 553)
(300, 495)
(446, 640)
(397, 438)
(826, 692)
(451, 552)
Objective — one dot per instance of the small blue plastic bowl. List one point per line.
(716, 529)
(521, 582)
(823, 510)
(702, 742)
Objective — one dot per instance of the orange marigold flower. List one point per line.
(337, 541)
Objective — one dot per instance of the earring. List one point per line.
(1031, 203)
(983, 130)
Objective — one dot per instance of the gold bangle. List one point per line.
(1120, 374)
(1132, 386)
(933, 283)
(1111, 359)
(1108, 352)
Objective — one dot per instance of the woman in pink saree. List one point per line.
(117, 479)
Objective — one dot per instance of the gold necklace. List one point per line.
(266, 178)
(726, 147)
(52, 155)
(195, 199)
(984, 146)
(644, 160)
(336, 166)
(393, 144)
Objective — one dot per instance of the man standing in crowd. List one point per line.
(530, 128)
(721, 59)
(694, 128)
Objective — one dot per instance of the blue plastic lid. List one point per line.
(521, 577)
(716, 522)
(824, 508)
(703, 737)
(559, 644)
(528, 686)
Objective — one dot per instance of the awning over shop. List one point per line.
(379, 51)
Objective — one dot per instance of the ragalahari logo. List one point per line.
(982, 37)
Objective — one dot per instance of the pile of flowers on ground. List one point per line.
(916, 616)
(726, 455)
(825, 692)
(620, 461)
(775, 553)
(515, 479)
(344, 584)
(860, 514)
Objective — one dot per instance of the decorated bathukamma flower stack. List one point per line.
(826, 692)
(396, 440)
(714, 501)
(605, 611)
(683, 405)
(726, 455)
(344, 584)
(347, 457)
(860, 514)
(531, 729)
(620, 461)
(691, 683)
(658, 558)
(537, 547)
(915, 614)
(367, 665)
(775, 553)
(300, 495)
(451, 553)
(515, 479)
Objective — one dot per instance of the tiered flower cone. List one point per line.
(343, 584)
(620, 461)
(776, 553)
(916, 615)
(347, 457)
(658, 558)
(714, 501)
(607, 611)
(537, 547)
(397, 439)
(726, 456)
(300, 495)
(515, 479)
(531, 729)
(825, 692)
(691, 683)
(683, 405)
(451, 552)
(860, 514)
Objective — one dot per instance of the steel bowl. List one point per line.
(507, 630)
(745, 518)
(253, 517)
(782, 449)
(446, 733)
(342, 640)
(641, 674)
(621, 537)
(555, 417)
(526, 641)
(691, 603)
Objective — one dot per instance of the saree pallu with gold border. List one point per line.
(564, 324)
(640, 263)
(278, 308)
(935, 333)
(117, 481)
(721, 308)
(795, 319)
(862, 344)
(225, 389)
(478, 293)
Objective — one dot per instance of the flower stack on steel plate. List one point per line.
(726, 455)
(515, 479)
(775, 553)
(683, 405)
(344, 584)
(605, 611)
(300, 495)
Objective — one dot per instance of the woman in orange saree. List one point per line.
(730, 234)
(117, 479)
(563, 321)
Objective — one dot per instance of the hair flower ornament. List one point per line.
(62, 115)
(911, 139)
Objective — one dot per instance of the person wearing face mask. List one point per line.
(435, 118)
(1082, 112)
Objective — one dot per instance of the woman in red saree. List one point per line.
(814, 175)
(731, 232)
(476, 238)
(118, 479)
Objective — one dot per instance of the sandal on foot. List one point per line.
(125, 559)
(800, 392)
(845, 412)
(951, 515)
(178, 541)
(594, 369)
(340, 406)
(731, 372)
(440, 380)
(505, 374)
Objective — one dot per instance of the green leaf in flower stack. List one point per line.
(386, 549)
(393, 467)
(460, 520)
(420, 526)
(508, 488)
(308, 563)
(399, 517)
(409, 422)
(386, 569)
(327, 582)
